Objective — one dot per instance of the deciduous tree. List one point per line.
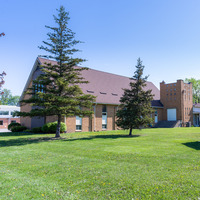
(8, 99)
(195, 89)
(135, 109)
(2, 81)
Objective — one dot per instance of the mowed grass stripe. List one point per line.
(155, 164)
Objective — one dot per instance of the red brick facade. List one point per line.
(4, 122)
(174, 100)
(173, 96)
(177, 96)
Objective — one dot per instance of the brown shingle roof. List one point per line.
(106, 86)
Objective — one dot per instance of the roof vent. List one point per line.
(90, 91)
(114, 94)
(103, 93)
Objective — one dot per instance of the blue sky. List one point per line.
(164, 34)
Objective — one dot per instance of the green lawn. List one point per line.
(155, 164)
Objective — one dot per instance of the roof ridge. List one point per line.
(98, 70)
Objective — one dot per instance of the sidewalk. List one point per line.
(4, 130)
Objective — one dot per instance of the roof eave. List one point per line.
(37, 61)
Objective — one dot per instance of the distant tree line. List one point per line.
(8, 99)
(195, 89)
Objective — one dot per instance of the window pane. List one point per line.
(104, 109)
(78, 127)
(104, 119)
(1, 122)
(78, 123)
(4, 112)
(104, 126)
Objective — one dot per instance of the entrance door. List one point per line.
(171, 114)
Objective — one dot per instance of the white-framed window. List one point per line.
(78, 123)
(4, 112)
(1, 122)
(104, 117)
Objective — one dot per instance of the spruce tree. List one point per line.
(56, 91)
(135, 109)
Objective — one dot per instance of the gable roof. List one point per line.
(105, 86)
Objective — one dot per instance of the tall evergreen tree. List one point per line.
(56, 91)
(135, 108)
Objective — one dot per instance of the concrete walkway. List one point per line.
(4, 130)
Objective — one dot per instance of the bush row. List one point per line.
(47, 128)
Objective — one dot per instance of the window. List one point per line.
(174, 84)
(78, 123)
(1, 123)
(4, 112)
(38, 88)
(104, 117)
(13, 121)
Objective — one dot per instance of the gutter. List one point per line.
(95, 117)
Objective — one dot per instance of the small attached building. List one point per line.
(6, 117)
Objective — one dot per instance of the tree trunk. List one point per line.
(130, 132)
(58, 127)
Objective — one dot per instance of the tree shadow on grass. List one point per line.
(23, 141)
(7, 134)
(26, 141)
(101, 137)
(193, 145)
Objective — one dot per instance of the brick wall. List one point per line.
(26, 121)
(177, 95)
(7, 121)
(94, 123)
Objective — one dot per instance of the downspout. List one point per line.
(95, 117)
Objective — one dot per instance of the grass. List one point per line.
(155, 164)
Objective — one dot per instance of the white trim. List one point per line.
(29, 79)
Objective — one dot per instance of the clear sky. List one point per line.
(165, 34)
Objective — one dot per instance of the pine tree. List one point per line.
(135, 108)
(56, 91)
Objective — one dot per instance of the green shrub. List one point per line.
(28, 130)
(13, 124)
(51, 127)
(37, 130)
(18, 128)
